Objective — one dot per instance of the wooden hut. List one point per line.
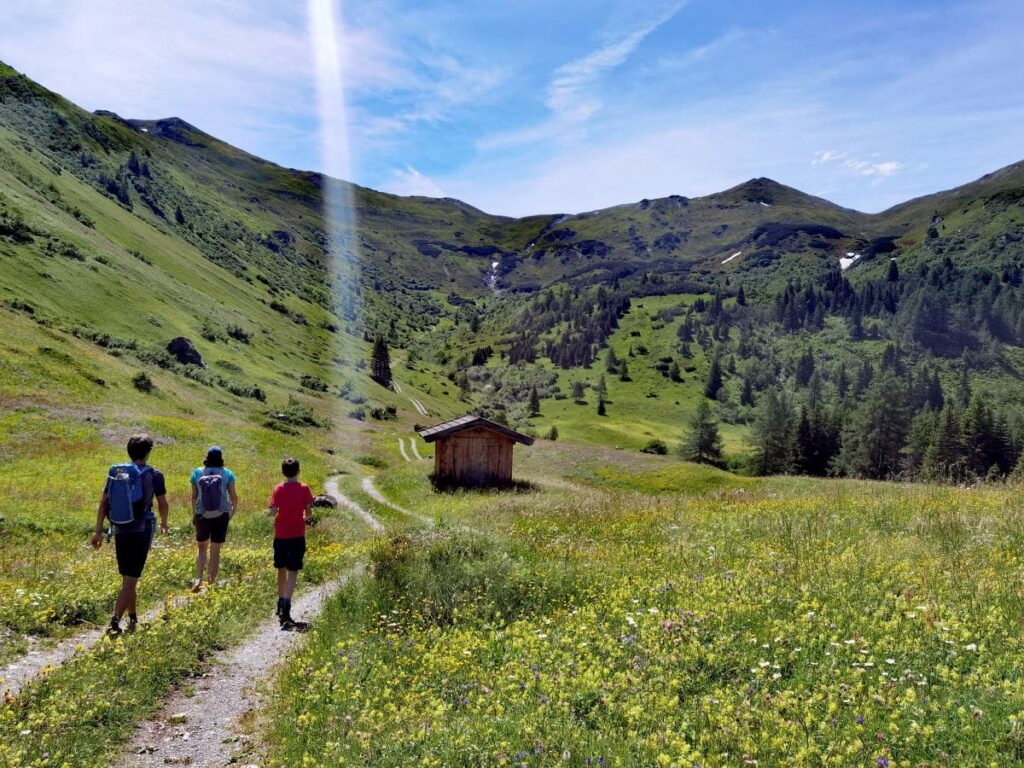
(473, 451)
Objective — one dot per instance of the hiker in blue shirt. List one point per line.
(127, 501)
(214, 502)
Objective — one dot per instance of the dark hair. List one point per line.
(290, 467)
(139, 447)
(214, 457)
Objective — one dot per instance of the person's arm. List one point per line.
(233, 495)
(163, 508)
(101, 515)
(307, 513)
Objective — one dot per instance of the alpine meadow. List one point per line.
(766, 457)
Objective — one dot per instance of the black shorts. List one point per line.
(132, 550)
(213, 529)
(288, 553)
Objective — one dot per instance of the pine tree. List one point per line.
(624, 372)
(179, 216)
(741, 297)
(894, 272)
(577, 391)
(380, 362)
(805, 368)
(963, 394)
(747, 392)
(714, 383)
(552, 433)
(534, 402)
(817, 442)
(602, 389)
(674, 374)
(773, 435)
(611, 362)
(944, 456)
(703, 444)
(877, 430)
(856, 325)
(601, 411)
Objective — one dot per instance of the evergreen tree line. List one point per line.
(898, 429)
(942, 307)
(588, 317)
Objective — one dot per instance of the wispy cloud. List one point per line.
(409, 181)
(875, 169)
(572, 94)
(724, 43)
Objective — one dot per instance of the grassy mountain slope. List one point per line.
(132, 232)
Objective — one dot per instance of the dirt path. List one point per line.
(38, 660)
(371, 490)
(419, 407)
(202, 727)
(401, 447)
(415, 450)
(332, 490)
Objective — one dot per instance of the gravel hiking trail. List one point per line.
(401, 447)
(203, 726)
(332, 490)
(38, 660)
(415, 450)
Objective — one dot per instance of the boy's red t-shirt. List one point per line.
(291, 500)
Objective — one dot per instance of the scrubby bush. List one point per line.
(369, 460)
(385, 413)
(238, 333)
(436, 576)
(314, 383)
(142, 382)
(655, 446)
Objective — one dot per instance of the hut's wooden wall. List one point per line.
(474, 457)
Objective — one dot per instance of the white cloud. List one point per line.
(723, 43)
(858, 165)
(409, 181)
(571, 93)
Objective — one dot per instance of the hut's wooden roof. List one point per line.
(469, 421)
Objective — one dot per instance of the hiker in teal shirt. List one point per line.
(214, 502)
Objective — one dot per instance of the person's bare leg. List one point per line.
(200, 564)
(282, 581)
(126, 598)
(290, 584)
(214, 561)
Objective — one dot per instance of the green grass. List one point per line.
(784, 621)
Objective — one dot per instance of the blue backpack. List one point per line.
(124, 490)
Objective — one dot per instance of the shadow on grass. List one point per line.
(447, 485)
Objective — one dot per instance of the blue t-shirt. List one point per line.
(229, 478)
(153, 485)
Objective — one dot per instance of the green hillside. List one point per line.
(128, 233)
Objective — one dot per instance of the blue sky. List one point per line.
(565, 106)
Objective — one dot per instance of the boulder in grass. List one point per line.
(185, 352)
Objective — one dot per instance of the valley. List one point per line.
(838, 586)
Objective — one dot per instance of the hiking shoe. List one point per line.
(196, 586)
(114, 630)
(133, 624)
(290, 625)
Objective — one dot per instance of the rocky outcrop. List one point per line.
(185, 352)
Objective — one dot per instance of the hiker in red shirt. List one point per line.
(292, 505)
